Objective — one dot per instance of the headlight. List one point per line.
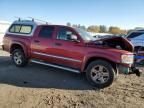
(127, 59)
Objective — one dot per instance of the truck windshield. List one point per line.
(84, 34)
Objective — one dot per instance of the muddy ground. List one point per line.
(37, 86)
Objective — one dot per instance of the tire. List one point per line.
(18, 58)
(100, 74)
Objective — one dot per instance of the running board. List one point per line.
(56, 66)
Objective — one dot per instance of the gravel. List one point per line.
(37, 86)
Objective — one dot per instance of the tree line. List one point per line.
(100, 28)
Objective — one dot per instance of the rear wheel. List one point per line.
(18, 57)
(100, 74)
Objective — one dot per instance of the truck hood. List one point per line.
(112, 44)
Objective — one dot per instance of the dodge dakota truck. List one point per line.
(71, 49)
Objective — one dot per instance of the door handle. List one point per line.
(36, 41)
(58, 44)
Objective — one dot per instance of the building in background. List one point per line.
(4, 25)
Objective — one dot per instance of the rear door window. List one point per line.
(47, 32)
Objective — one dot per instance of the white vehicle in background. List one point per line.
(137, 39)
(4, 25)
(100, 35)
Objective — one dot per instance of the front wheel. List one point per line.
(18, 57)
(100, 74)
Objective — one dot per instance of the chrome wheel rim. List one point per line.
(17, 58)
(99, 74)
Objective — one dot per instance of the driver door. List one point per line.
(67, 51)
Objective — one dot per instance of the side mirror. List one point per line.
(74, 38)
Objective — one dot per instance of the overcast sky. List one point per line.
(123, 13)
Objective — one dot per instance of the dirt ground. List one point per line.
(37, 86)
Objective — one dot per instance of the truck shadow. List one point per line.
(38, 76)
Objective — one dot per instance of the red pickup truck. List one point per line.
(71, 49)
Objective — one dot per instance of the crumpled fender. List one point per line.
(102, 55)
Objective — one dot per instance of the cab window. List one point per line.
(65, 34)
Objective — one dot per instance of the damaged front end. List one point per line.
(121, 43)
(129, 70)
(117, 43)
